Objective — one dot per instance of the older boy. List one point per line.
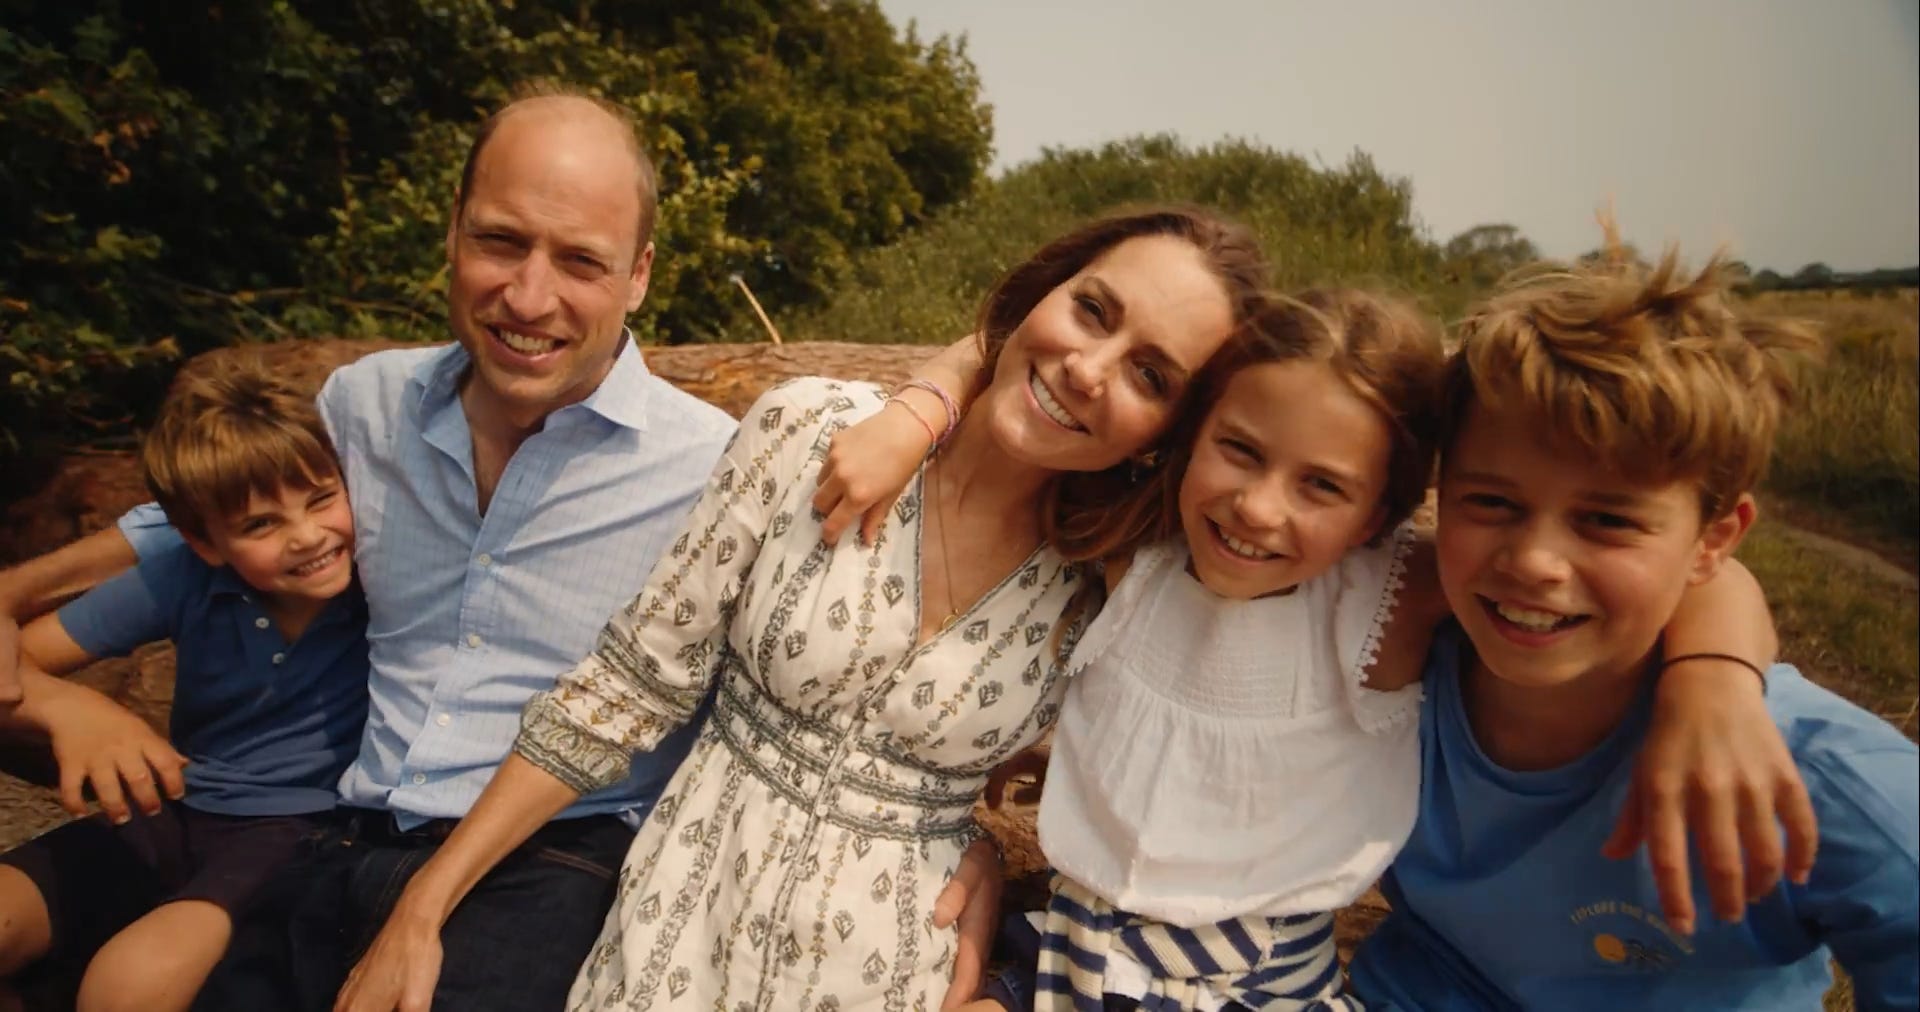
(270, 697)
(1605, 428)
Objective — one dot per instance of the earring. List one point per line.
(1139, 467)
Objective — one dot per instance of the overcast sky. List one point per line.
(1785, 127)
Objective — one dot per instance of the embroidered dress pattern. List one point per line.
(794, 860)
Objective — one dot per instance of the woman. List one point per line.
(864, 692)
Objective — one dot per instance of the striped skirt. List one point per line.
(1284, 964)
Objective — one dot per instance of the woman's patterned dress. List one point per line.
(794, 860)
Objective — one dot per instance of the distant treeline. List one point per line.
(1818, 276)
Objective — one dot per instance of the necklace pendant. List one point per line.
(947, 623)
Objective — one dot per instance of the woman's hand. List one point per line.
(972, 900)
(870, 464)
(1714, 766)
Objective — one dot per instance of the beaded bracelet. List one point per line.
(915, 412)
(953, 410)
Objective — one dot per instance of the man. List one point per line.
(510, 491)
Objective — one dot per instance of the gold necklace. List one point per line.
(946, 555)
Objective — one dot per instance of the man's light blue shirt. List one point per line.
(470, 615)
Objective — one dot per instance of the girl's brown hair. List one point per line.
(1099, 513)
(1386, 350)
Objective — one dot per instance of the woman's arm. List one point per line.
(402, 965)
(871, 463)
(1714, 764)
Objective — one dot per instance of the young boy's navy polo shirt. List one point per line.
(268, 726)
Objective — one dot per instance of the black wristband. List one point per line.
(1742, 661)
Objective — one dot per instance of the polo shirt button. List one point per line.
(279, 658)
(443, 720)
(261, 622)
(419, 778)
(473, 639)
(484, 560)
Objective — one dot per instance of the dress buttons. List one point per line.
(484, 560)
(419, 778)
(473, 639)
(261, 622)
(279, 658)
(443, 720)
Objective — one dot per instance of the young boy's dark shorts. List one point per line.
(96, 878)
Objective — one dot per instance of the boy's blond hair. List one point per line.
(228, 430)
(1652, 372)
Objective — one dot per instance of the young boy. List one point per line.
(270, 696)
(1605, 428)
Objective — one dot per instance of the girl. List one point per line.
(1279, 785)
(1237, 755)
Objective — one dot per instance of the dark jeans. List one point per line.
(514, 943)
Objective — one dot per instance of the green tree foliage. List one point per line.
(1319, 224)
(181, 176)
(1814, 275)
(1482, 255)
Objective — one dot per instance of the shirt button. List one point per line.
(484, 560)
(279, 658)
(261, 622)
(419, 778)
(443, 720)
(473, 639)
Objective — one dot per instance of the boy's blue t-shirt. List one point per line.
(1501, 898)
(268, 726)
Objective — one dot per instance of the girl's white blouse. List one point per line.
(1219, 758)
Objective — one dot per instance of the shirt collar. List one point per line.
(621, 398)
(348, 603)
(226, 582)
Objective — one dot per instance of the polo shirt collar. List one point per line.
(227, 584)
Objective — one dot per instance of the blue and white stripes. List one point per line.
(1285, 964)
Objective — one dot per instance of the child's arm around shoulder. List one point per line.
(39, 585)
(1714, 765)
(95, 740)
(871, 463)
(1419, 608)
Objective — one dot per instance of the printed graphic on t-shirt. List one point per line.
(1627, 936)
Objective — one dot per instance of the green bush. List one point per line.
(1346, 223)
(179, 178)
